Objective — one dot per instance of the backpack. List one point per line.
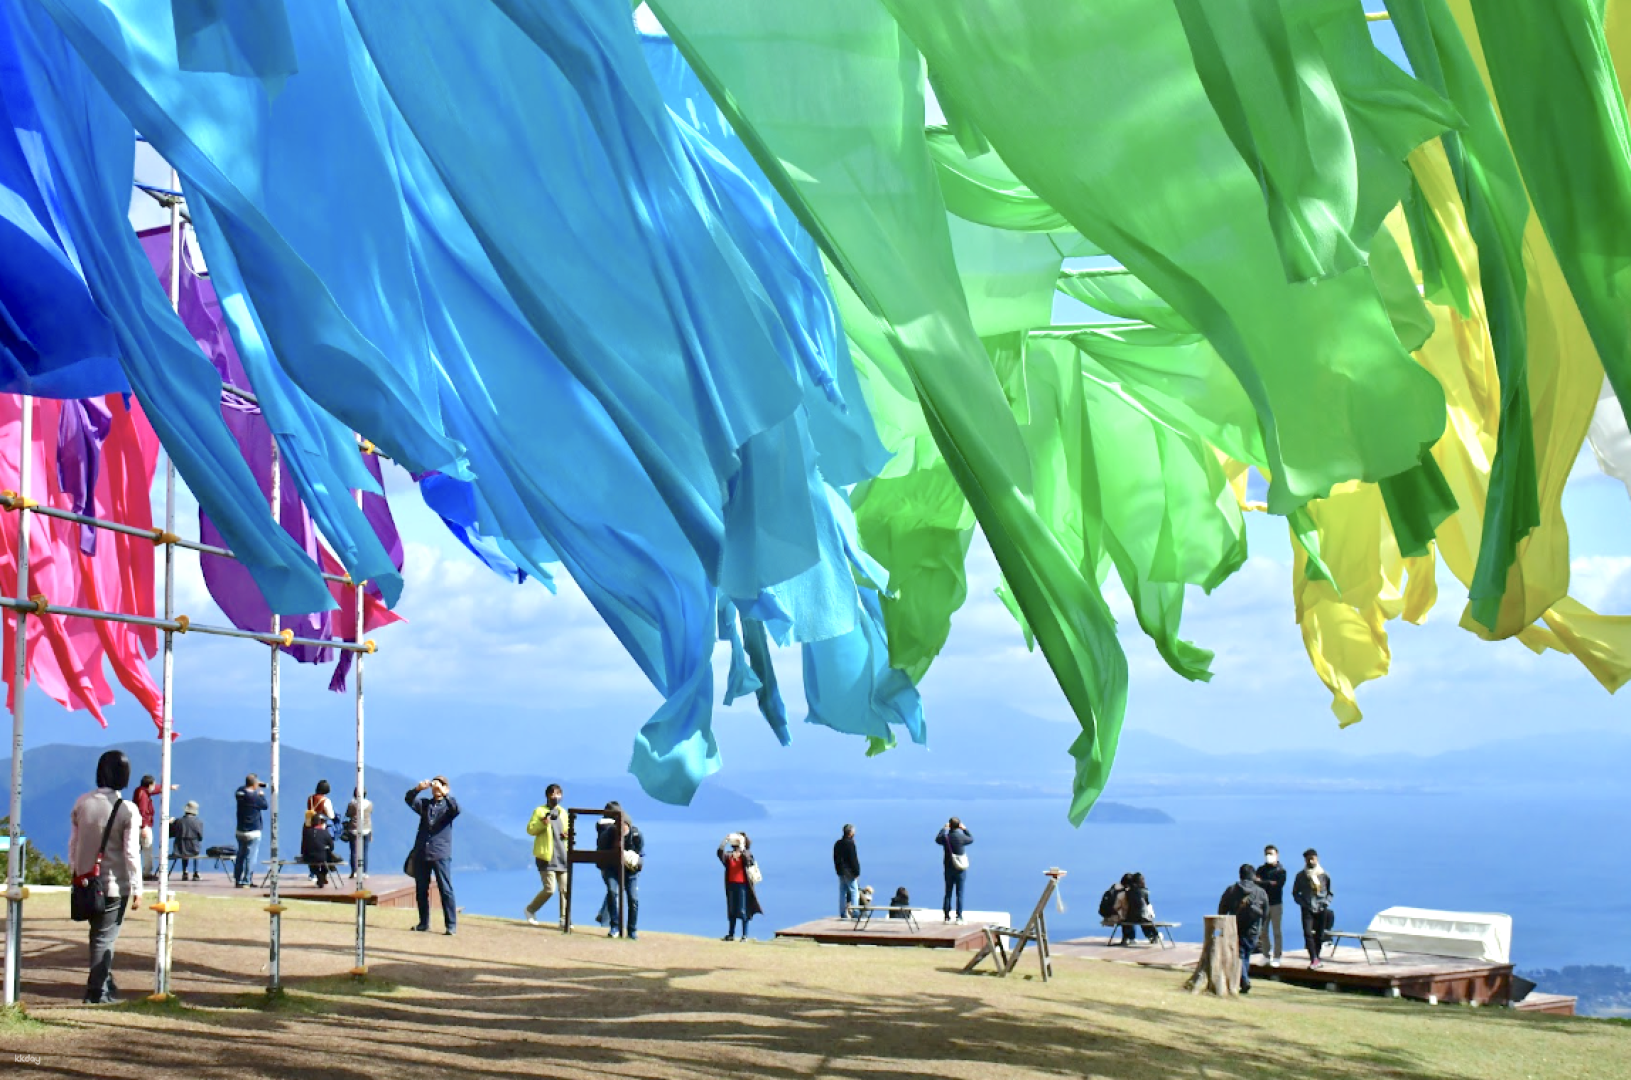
(1107, 902)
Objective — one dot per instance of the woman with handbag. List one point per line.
(954, 839)
(104, 852)
(741, 875)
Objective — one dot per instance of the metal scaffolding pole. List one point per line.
(166, 908)
(360, 881)
(15, 892)
(273, 907)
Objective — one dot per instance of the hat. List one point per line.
(190, 808)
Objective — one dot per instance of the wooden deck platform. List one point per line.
(389, 890)
(930, 934)
(1412, 975)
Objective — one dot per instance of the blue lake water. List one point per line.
(1482, 852)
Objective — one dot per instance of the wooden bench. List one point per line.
(1163, 932)
(1366, 940)
(861, 914)
(334, 870)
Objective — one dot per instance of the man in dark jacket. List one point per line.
(1312, 892)
(954, 838)
(317, 848)
(433, 850)
(1272, 876)
(1248, 903)
(251, 805)
(846, 862)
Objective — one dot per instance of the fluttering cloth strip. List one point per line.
(88, 156)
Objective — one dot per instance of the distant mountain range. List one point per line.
(211, 770)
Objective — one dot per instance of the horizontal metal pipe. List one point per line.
(9, 502)
(180, 627)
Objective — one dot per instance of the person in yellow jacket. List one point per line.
(549, 852)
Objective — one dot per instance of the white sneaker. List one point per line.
(530, 920)
(948, 918)
(959, 920)
(1275, 962)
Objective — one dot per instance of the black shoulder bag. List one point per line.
(89, 897)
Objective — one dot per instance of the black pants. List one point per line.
(1313, 932)
(443, 869)
(104, 936)
(1129, 931)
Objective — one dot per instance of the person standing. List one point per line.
(549, 852)
(359, 825)
(143, 798)
(1247, 901)
(188, 839)
(955, 840)
(433, 850)
(741, 899)
(104, 838)
(846, 862)
(626, 886)
(251, 806)
(1312, 892)
(1272, 877)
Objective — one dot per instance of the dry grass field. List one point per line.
(506, 1000)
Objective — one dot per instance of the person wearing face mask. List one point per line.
(1312, 892)
(548, 830)
(1272, 877)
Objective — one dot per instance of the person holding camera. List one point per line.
(741, 874)
(955, 840)
(433, 850)
(252, 805)
(547, 827)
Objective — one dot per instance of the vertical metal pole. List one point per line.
(571, 841)
(273, 907)
(165, 928)
(19, 676)
(360, 881)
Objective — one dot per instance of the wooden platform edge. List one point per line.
(1548, 1004)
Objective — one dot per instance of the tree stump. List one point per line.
(1219, 967)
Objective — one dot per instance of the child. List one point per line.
(186, 840)
(317, 848)
(898, 903)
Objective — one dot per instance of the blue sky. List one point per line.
(487, 675)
